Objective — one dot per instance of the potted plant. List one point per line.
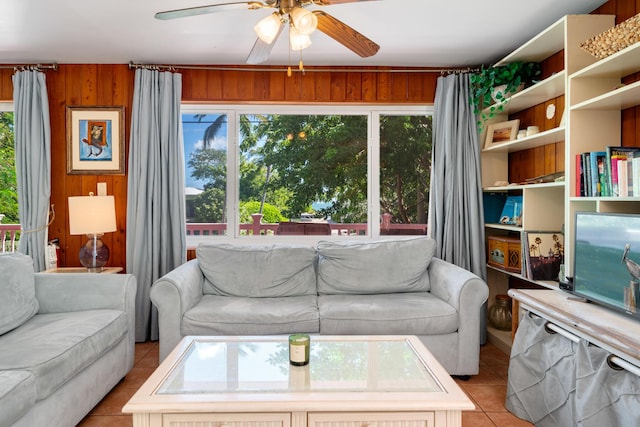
(492, 86)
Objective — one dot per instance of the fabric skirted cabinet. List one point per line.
(556, 379)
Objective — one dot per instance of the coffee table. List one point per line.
(350, 381)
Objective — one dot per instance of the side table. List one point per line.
(105, 270)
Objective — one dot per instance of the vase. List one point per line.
(501, 89)
(500, 313)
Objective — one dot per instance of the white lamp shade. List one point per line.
(268, 28)
(298, 41)
(92, 214)
(304, 21)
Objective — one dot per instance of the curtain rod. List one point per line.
(31, 67)
(164, 67)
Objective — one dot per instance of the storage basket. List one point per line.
(614, 39)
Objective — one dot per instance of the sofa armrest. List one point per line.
(467, 293)
(66, 292)
(460, 288)
(173, 294)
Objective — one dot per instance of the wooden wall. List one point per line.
(112, 85)
(550, 158)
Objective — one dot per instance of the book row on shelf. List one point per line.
(614, 172)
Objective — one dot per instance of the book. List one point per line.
(635, 180)
(595, 171)
(579, 176)
(600, 159)
(623, 188)
(615, 153)
(512, 211)
(586, 177)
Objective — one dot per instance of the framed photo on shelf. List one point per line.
(498, 133)
(95, 140)
(544, 254)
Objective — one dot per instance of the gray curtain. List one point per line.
(541, 386)
(33, 162)
(156, 237)
(456, 217)
(604, 396)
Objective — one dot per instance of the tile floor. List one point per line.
(486, 389)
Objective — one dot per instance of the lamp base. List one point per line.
(94, 254)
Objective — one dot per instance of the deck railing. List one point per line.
(9, 237)
(257, 228)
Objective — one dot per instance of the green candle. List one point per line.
(299, 349)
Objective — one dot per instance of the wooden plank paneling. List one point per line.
(112, 84)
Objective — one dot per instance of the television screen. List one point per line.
(607, 260)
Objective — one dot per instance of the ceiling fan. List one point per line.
(301, 22)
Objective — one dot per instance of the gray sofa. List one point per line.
(65, 341)
(386, 287)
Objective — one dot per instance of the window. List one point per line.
(304, 170)
(8, 185)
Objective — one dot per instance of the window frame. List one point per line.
(234, 111)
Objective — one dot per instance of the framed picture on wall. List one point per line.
(95, 140)
(498, 133)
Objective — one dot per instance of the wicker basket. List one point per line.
(614, 39)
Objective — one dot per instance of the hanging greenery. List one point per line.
(512, 77)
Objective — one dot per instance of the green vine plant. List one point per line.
(512, 76)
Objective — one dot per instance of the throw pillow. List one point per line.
(18, 301)
(378, 267)
(275, 270)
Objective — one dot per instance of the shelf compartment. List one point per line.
(543, 138)
(548, 284)
(625, 97)
(524, 186)
(540, 92)
(618, 65)
(542, 46)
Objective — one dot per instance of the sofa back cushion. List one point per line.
(18, 301)
(267, 270)
(378, 267)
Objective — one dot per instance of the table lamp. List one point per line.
(93, 216)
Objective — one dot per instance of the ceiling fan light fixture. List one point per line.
(298, 41)
(304, 21)
(267, 29)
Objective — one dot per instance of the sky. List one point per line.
(193, 132)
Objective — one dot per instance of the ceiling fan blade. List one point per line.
(212, 8)
(344, 34)
(260, 51)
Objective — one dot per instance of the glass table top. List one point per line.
(256, 366)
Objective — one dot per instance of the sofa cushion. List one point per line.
(17, 395)
(258, 270)
(55, 347)
(385, 266)
(220, 315)
(419, 313)
(17, 287)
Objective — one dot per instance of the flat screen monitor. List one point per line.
(607, 260)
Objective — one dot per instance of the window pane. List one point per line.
(306, 171)
(8, 186)
(405, 167)
(205, 150)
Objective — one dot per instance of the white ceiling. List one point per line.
(420, 33)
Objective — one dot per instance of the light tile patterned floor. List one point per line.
(487, 390)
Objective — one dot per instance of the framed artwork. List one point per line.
(95, 140)
(498, 133)
(544, 254)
